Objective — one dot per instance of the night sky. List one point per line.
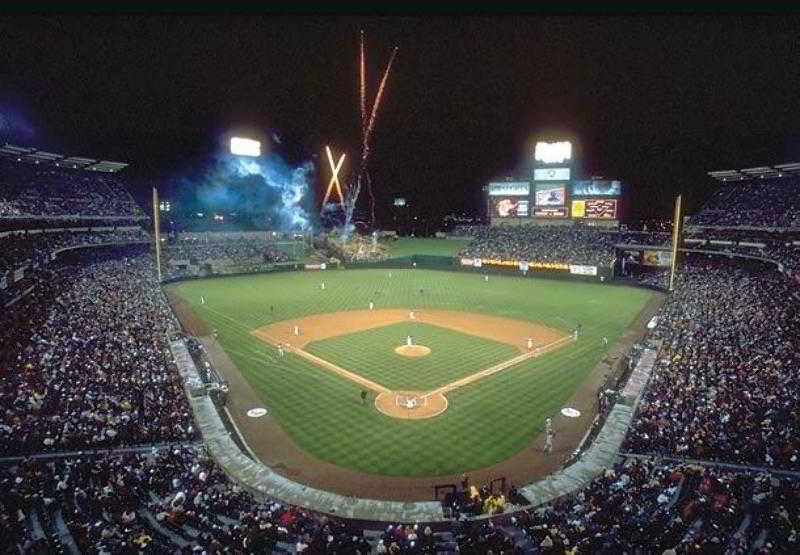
(654, 101)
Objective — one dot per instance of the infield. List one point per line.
(355, 345)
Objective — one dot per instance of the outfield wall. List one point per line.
(507, 268)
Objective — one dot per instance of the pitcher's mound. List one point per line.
(412, 350)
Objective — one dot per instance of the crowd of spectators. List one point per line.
(725, 384)
(765, 203)
(781, 247)
(236, 255)
(641, 506)
(564, 244)
(19, 249)
(85, 362)
(174, 500)
(85, 365)
(34, 190)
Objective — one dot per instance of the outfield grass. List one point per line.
(370, 353)
(408, 246)
(486, 422)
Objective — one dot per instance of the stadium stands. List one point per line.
(764, 203)
(32, 190)
(85, 367)
(726, 382)
(85, 362)
(565, 244)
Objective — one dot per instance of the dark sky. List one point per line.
(655, 101)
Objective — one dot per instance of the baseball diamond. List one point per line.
(475, 402)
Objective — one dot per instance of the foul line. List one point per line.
(498, 367)
(369, 384)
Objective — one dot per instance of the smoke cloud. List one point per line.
(266, 191)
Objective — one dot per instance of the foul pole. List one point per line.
(676, 239)
(157, 232)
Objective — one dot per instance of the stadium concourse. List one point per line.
(102, 453)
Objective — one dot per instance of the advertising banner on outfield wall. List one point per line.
(479, 262)
(321, 266)
(581, 270)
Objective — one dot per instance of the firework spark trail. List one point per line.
(363, 84)
(373, 116)
(367, 126)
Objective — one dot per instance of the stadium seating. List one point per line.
(85, 367)
(763, 203)
(238, 255)
(46, 191)
(565, 244)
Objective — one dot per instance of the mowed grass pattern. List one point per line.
(485, 423)
(370, 353)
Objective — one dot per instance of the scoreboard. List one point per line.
(552, 191)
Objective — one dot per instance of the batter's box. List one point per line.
(411, 404)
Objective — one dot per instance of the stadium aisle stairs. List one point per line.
(522, 541)
(64, 534)
(759, 542)
(157, 528)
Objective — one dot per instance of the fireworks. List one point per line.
(361, 177)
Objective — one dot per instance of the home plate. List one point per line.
(570, 412)
(256, 413)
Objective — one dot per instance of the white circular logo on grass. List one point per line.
(569, 412)
(256, 413)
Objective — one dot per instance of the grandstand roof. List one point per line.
(763, 172)
(35, 156)
(107, 166)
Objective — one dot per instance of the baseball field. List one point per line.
(463, 383)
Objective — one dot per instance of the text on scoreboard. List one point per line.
(595, 209)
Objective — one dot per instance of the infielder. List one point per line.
(548, 442)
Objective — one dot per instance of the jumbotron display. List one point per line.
(550, 195)
(509, 207)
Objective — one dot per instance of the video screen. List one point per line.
(597, 188)
(551, 195)
(508, 207)
(601, 209)
(554, 212)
